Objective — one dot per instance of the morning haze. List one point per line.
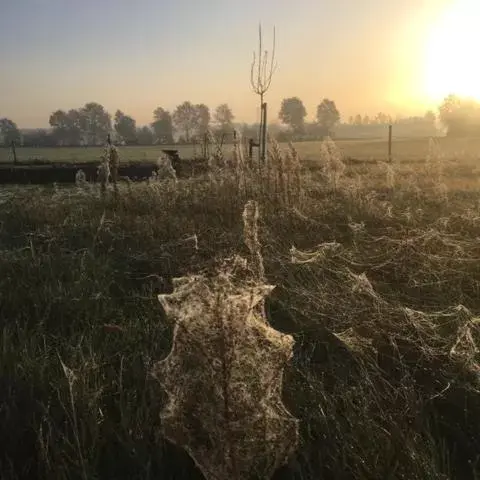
(135, 56)
(202, 282)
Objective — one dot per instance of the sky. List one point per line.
(136, 55)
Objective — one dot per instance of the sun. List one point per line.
(451, 59)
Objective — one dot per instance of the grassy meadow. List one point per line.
(377, 277)
(363, 149)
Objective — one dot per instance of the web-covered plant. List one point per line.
(224, 373)
(276, 180)
(332, 163)
(108, 168)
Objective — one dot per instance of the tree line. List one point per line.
(90, 124)
(385, 119)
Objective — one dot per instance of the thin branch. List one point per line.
(264, 73)
(252, 81)
(259, 52)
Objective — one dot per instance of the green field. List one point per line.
(402, 149)
(381, 294)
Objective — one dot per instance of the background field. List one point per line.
(383, 307)
(403, 149)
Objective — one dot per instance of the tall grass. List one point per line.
(379, 287)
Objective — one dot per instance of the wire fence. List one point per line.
(199, 148)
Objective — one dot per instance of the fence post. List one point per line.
(263, 140)
(205, 149)
(390, 127)
(14, 152)
(250, 148)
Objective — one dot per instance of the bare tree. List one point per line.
(261, 78)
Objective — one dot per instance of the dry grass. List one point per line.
(381, 293)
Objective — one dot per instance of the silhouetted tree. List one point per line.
(223, 118)
(162, 126)
(461, 116)
(248, 131)
(203, 119)
(186, 119)
(293, 113)
(381, 118)
(96, 123)
(126, 127)
(145, 136)
(38, 138)
(67, 127)
(358, 119)
(9, 131)
(315, 131)
(327, 114)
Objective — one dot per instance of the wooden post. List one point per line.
(205, 149)
(14, 152)
(113, 162)
(390, 127)
(263, 140)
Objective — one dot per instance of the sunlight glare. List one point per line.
(452, 63)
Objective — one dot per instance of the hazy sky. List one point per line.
(135, 55)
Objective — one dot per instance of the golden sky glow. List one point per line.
(394, 56)
(451, 52)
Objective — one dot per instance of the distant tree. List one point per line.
(96, 123)
(162, 126)
(248, 131)
(366, 120)
(186, 119)
(203, 119)
(38, 138)
(145, 136)
(68, 127)
(381, 119)
(358, 119)
(351, 120)
(315, 131)
(9, 131)
(461, 116)
(60, 123)
(398, 119)
(293, 113)
(327, 114)
(223, 118)
(126, 127)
